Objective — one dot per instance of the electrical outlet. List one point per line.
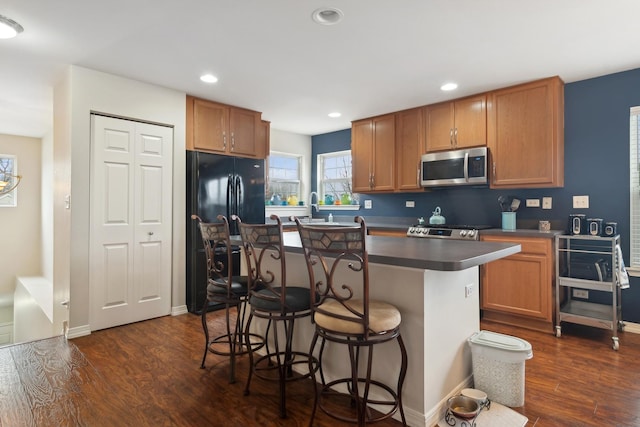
(533, 203)
(580, 202)
(581, 293)
(546, 202)
(367, 204)
(468, 290)
(409, 204)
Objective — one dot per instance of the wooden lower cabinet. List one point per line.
(519, 289)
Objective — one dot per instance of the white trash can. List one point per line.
(498, 366)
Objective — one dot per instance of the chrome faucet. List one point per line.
(313, 205)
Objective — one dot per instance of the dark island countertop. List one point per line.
(425, 254)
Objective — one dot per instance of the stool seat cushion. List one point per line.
(296, 299)
(239, 286)
(382, 317)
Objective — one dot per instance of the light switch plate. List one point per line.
(533, 203)
(367, 204)
(410, 204)
(547, 202)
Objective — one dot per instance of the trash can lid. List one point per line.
(501, 341)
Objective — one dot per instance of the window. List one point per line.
(8, 180)
(284, 176)
(634, 169)
(334, 174)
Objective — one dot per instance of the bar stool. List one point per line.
(338, 265)
(272, 299)
(224, 288)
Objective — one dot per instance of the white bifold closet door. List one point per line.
(130, 232)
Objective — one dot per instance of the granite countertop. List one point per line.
(425, 254)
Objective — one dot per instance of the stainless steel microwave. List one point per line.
(455, 167)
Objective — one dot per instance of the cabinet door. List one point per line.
(383, 164)
(387, 233)
(243, 126)
(525, 135)
(361, 155)
(210, 126)
(409, 148)
(263, 139)
(470, 122)
(520, 284)
(439, 123)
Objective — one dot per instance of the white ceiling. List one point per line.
(271, 57)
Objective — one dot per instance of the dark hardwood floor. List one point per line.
(148, 373)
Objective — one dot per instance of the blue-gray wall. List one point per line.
(596, 164)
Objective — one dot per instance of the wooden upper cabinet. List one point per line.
(224, 129)
(210, 122)
(373, 154)
(263, 139)
(457, 124)
(243, 128)
(525, 135)
(409, 149)
(361, 153)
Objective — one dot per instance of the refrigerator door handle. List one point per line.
(239, 195)
(230, 196)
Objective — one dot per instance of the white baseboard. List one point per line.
(79, 331)
(181, 309)
(634, 328)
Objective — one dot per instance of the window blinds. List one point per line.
(634, 169)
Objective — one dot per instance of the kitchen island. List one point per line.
(434, 283)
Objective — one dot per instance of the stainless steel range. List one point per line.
(457, 232)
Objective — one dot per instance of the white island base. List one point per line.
(438, 315)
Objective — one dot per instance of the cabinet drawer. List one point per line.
(530, 245)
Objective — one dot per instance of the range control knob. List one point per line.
(472, 234)
(463, 233)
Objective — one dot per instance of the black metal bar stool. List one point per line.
(271, 298)
(224, 288)
(338, 266)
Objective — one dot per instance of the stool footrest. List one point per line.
(220, 344)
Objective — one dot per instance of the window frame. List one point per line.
(271, 181)
(10, 200)
(320, 182)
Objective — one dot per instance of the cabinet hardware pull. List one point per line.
(493, 178)
(455, 137)
(224, 140)
(451, 137)
(233, 141)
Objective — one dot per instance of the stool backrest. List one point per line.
(264, 253)
(216, 239)
(338, 266)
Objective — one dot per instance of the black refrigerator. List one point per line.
(219, 185)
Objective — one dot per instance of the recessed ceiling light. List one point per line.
(9, 28)
(208, 78)
(334, 115)
(327, 16)
(449, 86)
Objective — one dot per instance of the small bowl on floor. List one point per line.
(463, 407)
